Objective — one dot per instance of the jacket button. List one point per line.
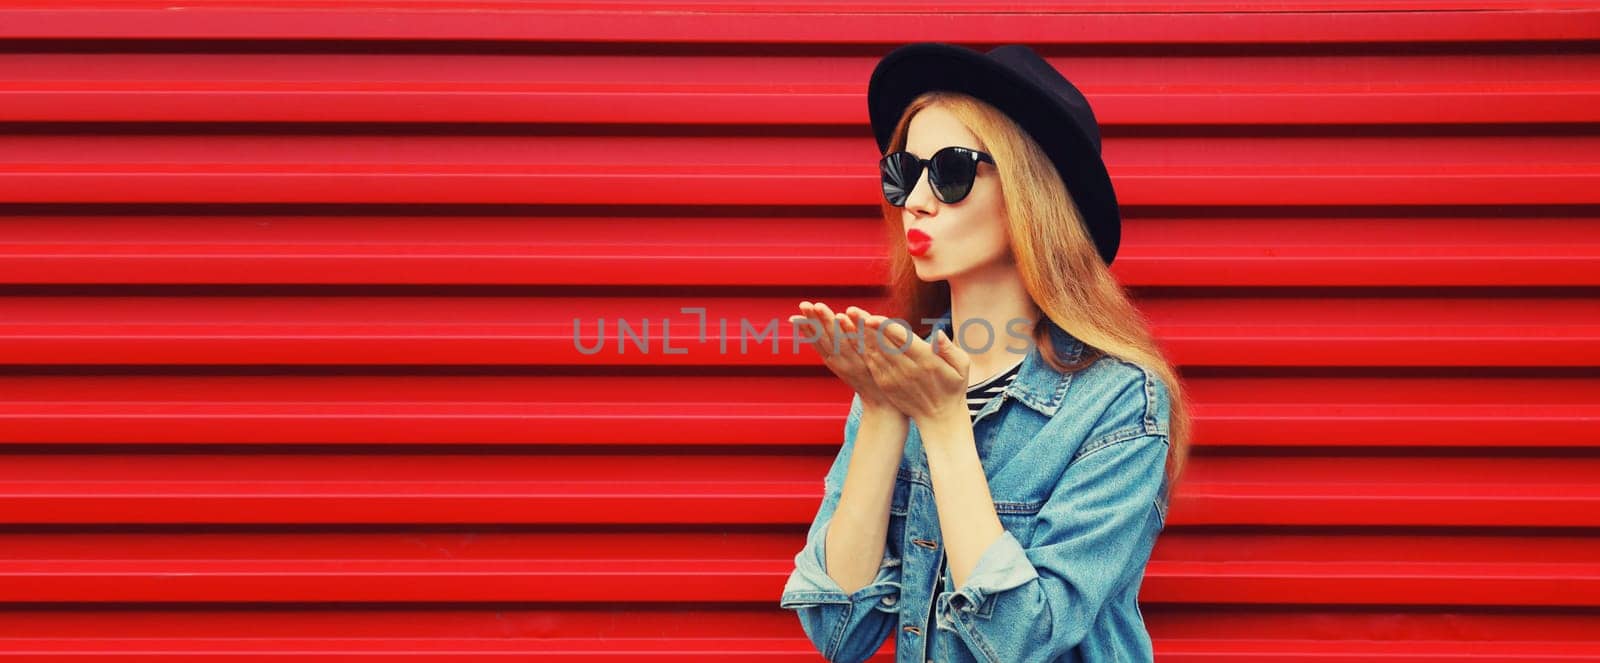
(888, 600)
(959, 602)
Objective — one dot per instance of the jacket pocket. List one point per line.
(1018, 518)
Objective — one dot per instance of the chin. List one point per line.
(926, 271)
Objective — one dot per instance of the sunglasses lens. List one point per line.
(952, 173)
(900, 171)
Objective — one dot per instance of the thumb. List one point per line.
(952, 354)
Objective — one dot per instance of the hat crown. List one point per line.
(1028, 64)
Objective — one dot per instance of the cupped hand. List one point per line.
(825, 331)
(921, 380)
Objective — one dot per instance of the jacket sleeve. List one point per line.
(843, 627)
(1095, 531)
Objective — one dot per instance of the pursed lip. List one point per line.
(918, 242)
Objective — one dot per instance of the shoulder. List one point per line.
(1120, 400)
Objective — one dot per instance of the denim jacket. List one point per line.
(1075, 465)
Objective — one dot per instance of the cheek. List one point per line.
(994, 206)
(979, 239)
(998, 235)
(978, 233)
(989, 232)
(997, 241)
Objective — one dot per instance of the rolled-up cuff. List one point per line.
(1004, 565)
(810, 584)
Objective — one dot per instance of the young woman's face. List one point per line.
(965, 235)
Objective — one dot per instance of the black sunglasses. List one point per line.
(951, 171)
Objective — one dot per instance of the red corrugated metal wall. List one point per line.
(289, 291)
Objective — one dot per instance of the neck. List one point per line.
(996, 296)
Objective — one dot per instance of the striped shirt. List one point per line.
(983, 392)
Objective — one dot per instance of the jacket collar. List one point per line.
(1038, 384)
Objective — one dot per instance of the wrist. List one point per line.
(951, 418)
(881, 410)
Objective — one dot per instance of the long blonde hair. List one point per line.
(1056, 259)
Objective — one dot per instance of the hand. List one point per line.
(926, 382)
(841, 355)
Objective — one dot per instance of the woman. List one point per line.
(1004, 473)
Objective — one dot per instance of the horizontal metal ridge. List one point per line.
(1168, 21)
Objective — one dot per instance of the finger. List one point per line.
(796, 317)
(824, 338)
(805, 312)
(890, 339)
(874, 333)
(857, 340)
(858, 318)
(858, 322)
(950, 357)
(874, 339)
(830, 323)
(846, 321)
(806, 328)
(849, 341)
(836, 327)
(894, 335)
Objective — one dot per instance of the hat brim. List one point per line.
(911, 70)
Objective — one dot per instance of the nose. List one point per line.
(921, 200)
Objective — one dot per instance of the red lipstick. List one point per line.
(918, 242)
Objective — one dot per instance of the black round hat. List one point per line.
(1014, 79)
